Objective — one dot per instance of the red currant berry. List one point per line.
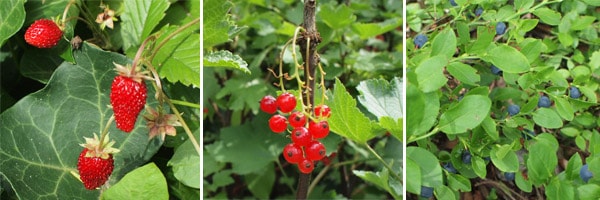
(306, 166)
(318, 130)
(292, 153)
(286, 102)
(322, 111)
(267, 104)
(297, 119)
(315, 150)
(300, 136)
(277, 123)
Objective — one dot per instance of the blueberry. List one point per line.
(420, 40)
(466, 157)
(509, 176)
(585, 173)
(544, 102)
(450, 168)
(453, 3)
(496, 70)
(574, 92)
(513, 109)
(426, 192)
(478, 11)
(500, 28)
(530, 134)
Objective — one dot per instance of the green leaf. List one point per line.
(592, 2)
(464, 73)
(146, 182)
(564, 108)
(346, 119)
(337, 16)
(243, 93)
(12, 16)
(431, 171)
(589, 191)
(41, 133)
(139, 19)
(261, 183)
(465, 115)
(178, 60)
(522, 183)
(380, 179)
(547, 118)
(216, 22)
(548, 16)
(413, 186)
(430, 73)
(225, 59)
(557, 189)
(394, 127)
(458, 182)
(367, 30)
(40, 68)
(508, 59)
(382, 98)
(444, 192)
(505, 159)
(185, 164)
(444, 43)
(541, 163)
(422, 112)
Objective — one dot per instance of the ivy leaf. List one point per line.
(139, 18)
(41, 133)
(178, 59)
(12, 16)
(346, 120)
(146, 182)
(382, 98)
(225, 59)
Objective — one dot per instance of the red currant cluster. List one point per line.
(305, 148)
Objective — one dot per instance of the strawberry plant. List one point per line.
(281, 117)
(502, 100)
(74, 72)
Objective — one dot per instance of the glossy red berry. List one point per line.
(318, 130)
(277, 123)
(300, 136)
(43, 33)
(286, 102)
(306, 166)
(315, 150)
(322, 111)
(297, 119)
(293, 153)
(268, 105)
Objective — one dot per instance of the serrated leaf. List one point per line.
(367, 30)
(179, 59)
(139, 19)
(382, 98)
(465, 115)
(261, 183)
(41, 133)
(225, 59)
(346, 120)
(380, 179)
(146, 182)
(245, 93)
(394, 127)
(216, 24)
(508, 59)
(337, 16)
(185, 164)
(12, 16)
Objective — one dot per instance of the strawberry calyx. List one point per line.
(136, 75)
(160, 124)
(96, 148)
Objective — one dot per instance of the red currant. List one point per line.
(297, 119)
(306, 166)
(267, 104)
(322, 111)
(277, 123)
(300, 136)
(286, 102)
(292, 153)
(318, 130)
(315, 150)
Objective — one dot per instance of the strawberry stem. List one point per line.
(105, 131)
(64, 16)
(138, 55)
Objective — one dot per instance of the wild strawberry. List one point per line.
(95, 163)
(127, 97)
(43, 33)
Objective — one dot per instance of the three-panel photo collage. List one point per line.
(300, 99)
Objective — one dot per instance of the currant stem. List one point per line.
(385, 164)
(105, 130)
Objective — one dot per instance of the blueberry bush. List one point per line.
(503, 99)
(254, 62)
(51, 98)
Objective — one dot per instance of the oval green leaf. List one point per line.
(465, 115)
(508, 59)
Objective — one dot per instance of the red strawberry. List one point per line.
(43, 33)
(127, 97)
(95, 162)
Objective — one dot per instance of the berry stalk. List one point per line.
(105, 130)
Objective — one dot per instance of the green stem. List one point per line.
(432, 132)
(105, 131)
(385, 164)
(185, 126)
(185, 103)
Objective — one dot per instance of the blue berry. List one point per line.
(496, 70)
(574, 92)
(426, 192)
(509, 176)
(513, 109)
(453, 3)
(466, 157)
(478, 11)
(450, 168)
(500, 28)
(544, 102)
(585, 173)
(420, 40)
